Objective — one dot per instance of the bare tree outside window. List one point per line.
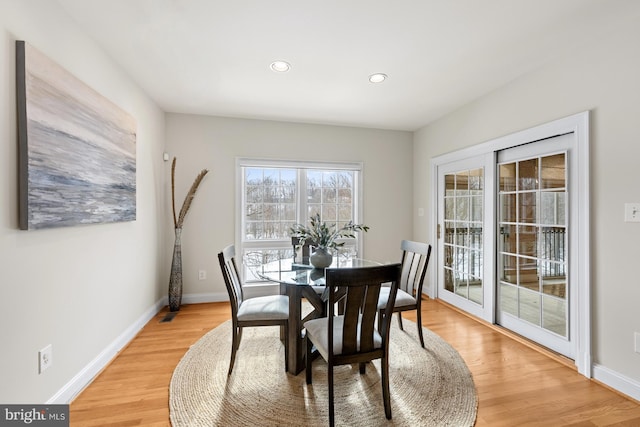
(276, 198)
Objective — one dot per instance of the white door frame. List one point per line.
(579, 218)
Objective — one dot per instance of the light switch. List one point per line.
(632, 212)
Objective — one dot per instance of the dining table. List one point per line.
(303, 282)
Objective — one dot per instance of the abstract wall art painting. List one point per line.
(76, 149)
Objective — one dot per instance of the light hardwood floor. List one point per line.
(517, 385)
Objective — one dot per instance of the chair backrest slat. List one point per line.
(305, 249)
(353, 305)
(369, 311)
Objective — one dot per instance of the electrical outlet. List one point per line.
(202, 275)
(45, 359)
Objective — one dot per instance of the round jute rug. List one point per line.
(429, 387)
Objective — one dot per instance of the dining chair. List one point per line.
(305, 250)
(415, 260)
(271, 310)
(352, 337)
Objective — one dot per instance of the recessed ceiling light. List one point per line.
(280, 66)
(377, 78)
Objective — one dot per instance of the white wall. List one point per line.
(79, 288)
(602, 78)
(214, 143)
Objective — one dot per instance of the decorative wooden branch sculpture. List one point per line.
(186, 204)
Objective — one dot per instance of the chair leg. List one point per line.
(235, 343)
(286, 346)
(419, 322)
(385, 387)
(400, 321)
(363, 368)
(307, 359)
(332, 421)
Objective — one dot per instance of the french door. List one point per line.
(512, 234)
(465, 279)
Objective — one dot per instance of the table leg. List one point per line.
(296, 343)
(297, 349)
(283, 291)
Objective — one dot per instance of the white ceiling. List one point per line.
(212, 56)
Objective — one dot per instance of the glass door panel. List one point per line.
(532, 238)
(463, 229)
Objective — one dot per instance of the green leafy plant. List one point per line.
(320, 234)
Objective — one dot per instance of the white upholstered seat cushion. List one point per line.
(318, 329)
(264, 308)
(402, 298)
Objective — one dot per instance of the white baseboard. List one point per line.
(617, 381)
(83, 378)
(205, 297)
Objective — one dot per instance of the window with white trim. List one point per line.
(274, 195)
